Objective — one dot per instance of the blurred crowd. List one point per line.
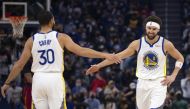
(106, 26)
(186, 32)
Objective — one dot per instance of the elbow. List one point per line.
(182, 59)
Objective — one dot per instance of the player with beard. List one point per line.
(152, 50)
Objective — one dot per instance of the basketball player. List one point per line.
(46, 49)
(152, 50)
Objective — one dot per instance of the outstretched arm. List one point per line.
(18, 66)
(171, 50)
(132, 48)
(86, 52)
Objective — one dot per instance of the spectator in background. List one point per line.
(27, 90)
(127, 77)
(186, 35)
(123, 103)
(179, 103)
(185, 86)
(70, 103)
(14, 96)
(78, 101)
(92, 101)
(111, 88)
(98, 83)
(5, 61)
(78, 88)
(186, 41)
(131, 95)
(111, 94)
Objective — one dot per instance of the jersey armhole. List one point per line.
(33, 37)
(163, 47)
(139, 46)
(57, 34)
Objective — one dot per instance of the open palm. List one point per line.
(92, 69)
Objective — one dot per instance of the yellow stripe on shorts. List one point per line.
(32, 105)
(165, 68)
(64, 93)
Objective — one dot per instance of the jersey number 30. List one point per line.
(46, 56)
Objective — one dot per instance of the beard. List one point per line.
(151, 36)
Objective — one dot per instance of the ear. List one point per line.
(50, 22)
(53, 21)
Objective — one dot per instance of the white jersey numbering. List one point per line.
(47, 53)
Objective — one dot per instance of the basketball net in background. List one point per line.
(18, 23)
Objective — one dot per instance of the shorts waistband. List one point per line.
(48, 72)
(152, 79)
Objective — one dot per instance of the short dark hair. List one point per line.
(44, 17)
(153, 19)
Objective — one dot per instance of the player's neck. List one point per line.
(45, 29)
(152, 41)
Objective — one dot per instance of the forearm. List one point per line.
(175, 71)
(122, 55)
(14, 73)
(105, 63)
(178, 66)
(86, 52)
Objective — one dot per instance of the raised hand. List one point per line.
(92, 69)
(114, 58)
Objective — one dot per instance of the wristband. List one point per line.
(178, 64)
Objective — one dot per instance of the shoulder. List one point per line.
(30, 39)
(64, 39)
(63, 36)
(168, 44)
(29, 42)
(135, 44)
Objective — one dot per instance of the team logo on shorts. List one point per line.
(150, 60)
